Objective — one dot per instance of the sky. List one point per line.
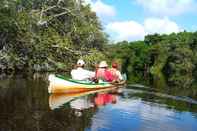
(131, 20)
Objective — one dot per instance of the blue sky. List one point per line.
(133, 19)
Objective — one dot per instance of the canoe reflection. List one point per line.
(103, 99)
(85, 100)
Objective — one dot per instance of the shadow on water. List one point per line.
(26, 105)
(23, 100)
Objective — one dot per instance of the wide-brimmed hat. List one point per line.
(80, 62)
(103, 64)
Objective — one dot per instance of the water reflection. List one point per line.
(22, 103)
(139, 110)
(26, 105)
(138, 115)
(84, 100)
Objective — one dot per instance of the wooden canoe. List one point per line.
(61, 84)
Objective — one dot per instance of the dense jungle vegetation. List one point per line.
(172, 57)
(50, 35)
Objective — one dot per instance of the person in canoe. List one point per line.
(108, 74)
(103, 73)
(80, 73)
(117, 77)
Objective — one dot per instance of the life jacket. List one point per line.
(114, 73)
(108, 76)
(104, 74)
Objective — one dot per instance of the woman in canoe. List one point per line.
(106, 74)
(80, 73)
(117, 77)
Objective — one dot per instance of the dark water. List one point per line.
(27, 106)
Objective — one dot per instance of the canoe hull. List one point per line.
(58, 85)
(66, 89)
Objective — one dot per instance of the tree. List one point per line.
(41, 35)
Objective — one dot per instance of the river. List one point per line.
(27, 106)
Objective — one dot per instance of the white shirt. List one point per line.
(81, 103)
(119, 75)
(81, 74)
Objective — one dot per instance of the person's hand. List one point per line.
(95, 80)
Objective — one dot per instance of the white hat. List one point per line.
(103, 64)
(80, 62)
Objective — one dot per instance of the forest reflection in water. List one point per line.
(26, 105)
(184, 86)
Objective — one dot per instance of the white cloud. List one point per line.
(167, 7)
(126, 30)
(161, 26)
(131, 30)
(103, 9)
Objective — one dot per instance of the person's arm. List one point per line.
(91, 74)
(119, 75)
(72, 74)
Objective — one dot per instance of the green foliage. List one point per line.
(132, 56)
(94, 58)
(47, 35)
(173, 55)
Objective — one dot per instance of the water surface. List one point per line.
(26, 105)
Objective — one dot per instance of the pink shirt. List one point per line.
(116, 74)
(104, 74)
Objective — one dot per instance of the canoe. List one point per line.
(61, 84)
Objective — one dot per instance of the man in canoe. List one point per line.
(80, 73)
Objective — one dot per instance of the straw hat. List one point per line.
(80, 62)
(103, 64)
